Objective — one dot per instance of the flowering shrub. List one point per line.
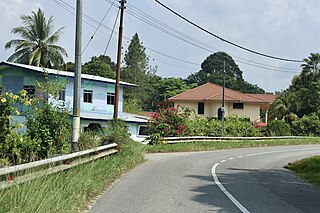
(170, 122)
(49, 126)
(177, 122)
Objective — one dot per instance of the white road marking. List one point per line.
(230, 158)
(240, 156)
(227, 193)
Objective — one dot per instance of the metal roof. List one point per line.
(65, 73)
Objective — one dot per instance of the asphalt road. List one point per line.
(241, 180)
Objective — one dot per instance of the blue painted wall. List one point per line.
(13, 80)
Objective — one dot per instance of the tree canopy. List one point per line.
(212, 70)
(99, 66)
(38, 43)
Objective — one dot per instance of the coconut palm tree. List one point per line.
(280, 109)
(312, 66)
(37, 44)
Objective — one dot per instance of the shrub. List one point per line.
(89, 140)
(116, 132)
(170, 121)
(308, 125)
(239, 127)
(203, 127)
(278, 128)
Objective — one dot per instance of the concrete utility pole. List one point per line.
(222, 107)
(117, 89)
(77, 80)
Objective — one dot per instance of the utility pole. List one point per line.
(77, 80)
(117, 89)
(222, 107)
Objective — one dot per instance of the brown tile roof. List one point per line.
(213, 92)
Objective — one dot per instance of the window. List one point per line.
(87, 96)
(30, 91)
(143, 130)
(200, 108)
(62, 95)
(237, 105)
(110, 98)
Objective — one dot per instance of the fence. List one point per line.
(51, 165)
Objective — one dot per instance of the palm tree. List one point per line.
(312, 66)
(37, 46)
(280, 109)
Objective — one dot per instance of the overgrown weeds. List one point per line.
(308, 169)
(70, 191)
(218, 145)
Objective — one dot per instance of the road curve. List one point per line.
(239, 180)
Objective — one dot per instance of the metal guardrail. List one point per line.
(171, 140)
(73, 159)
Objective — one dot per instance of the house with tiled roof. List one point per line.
(206, 101)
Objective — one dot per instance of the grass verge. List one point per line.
(215, 145)
(307, 169)
(71, 190)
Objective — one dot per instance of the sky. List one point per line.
(281, 28)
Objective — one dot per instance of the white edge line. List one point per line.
(225, 191)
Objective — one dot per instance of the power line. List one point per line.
(164, 28)
(70, 9)
(225, 40)
(114, 25)
(105, 15)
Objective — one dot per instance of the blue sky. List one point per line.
(283, 28)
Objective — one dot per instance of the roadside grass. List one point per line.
(71, 190)
(218, 145)
(307, 169)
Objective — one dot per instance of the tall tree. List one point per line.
(37, 45)
(138, 71)
(212, 70)
(136, 62)
(305, 87)
(312, 65)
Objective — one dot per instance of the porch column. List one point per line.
(266, 115)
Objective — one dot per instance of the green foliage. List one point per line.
(307, 169)
(308, 125)
(169, 122)
(239, 127)
(212, 71)
(89, 140)
(226, 144)
(48, 123)
(71, 190)
(99, 66)
(14, 146)
(138, 71)
(278, 128)
(168, 87)
(200, 126)
(116, 132)
(172, 122)
(38, 44)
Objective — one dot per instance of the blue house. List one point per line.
(97, 95)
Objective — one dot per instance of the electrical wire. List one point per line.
(142, 16)
(88, 19)
(114, 25)
(225, 40)
(91, 38)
